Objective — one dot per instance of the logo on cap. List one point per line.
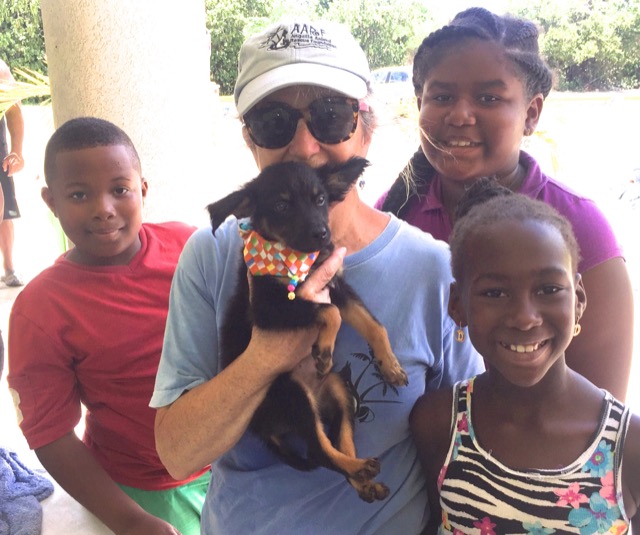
(300, 36)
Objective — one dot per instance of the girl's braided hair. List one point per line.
(518, 37)
(485, 203)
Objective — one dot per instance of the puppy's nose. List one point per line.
(321, 233)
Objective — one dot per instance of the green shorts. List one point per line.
(181, 506)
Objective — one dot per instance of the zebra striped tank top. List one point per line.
(479, 495)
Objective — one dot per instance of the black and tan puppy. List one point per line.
(287, 205)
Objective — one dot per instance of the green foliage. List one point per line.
(592, 45)
(388, 31)
(21, 35)
(227, 21)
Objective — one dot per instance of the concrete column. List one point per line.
(143, 65)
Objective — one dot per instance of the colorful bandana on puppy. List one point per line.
(264, 257)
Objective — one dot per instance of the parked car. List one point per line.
(389, 75)
(392, 85)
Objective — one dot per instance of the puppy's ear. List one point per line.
(237, 203)
(339, 179)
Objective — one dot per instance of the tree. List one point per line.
(389, 31)
(592, 45)
(21, 34)
(226, 23)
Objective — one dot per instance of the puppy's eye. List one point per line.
(320, 200)
(281, 206)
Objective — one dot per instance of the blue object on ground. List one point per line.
(21, 491)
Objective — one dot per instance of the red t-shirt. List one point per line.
(93, 335)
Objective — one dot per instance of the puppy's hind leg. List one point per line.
(338, 404)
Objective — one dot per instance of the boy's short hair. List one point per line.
(85, 133)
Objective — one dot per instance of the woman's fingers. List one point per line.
(315, 287)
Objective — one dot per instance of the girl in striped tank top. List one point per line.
(529, 446)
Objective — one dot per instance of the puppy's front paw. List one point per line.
(394, 373)
(323, 358)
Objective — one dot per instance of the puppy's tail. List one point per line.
(292, 458)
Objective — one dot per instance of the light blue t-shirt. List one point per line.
(403, 277)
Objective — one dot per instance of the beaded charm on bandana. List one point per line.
(264, 257)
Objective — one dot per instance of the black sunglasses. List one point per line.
(330, 120)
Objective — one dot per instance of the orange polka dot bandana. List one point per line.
(265, 257)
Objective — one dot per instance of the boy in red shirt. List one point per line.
(88, 331)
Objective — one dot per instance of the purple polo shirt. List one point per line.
(592, 230)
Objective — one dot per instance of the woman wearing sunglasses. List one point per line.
(302, 95)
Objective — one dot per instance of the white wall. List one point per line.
(144, 65)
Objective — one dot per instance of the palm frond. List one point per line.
(33, 76)
(35, 85)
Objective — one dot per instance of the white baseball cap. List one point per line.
(300, 52)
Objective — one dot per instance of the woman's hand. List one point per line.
(315, 287)
(283, 351)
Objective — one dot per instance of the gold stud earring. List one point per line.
(460, 334)
(577, 329)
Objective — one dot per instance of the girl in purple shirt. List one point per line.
(480, 84)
